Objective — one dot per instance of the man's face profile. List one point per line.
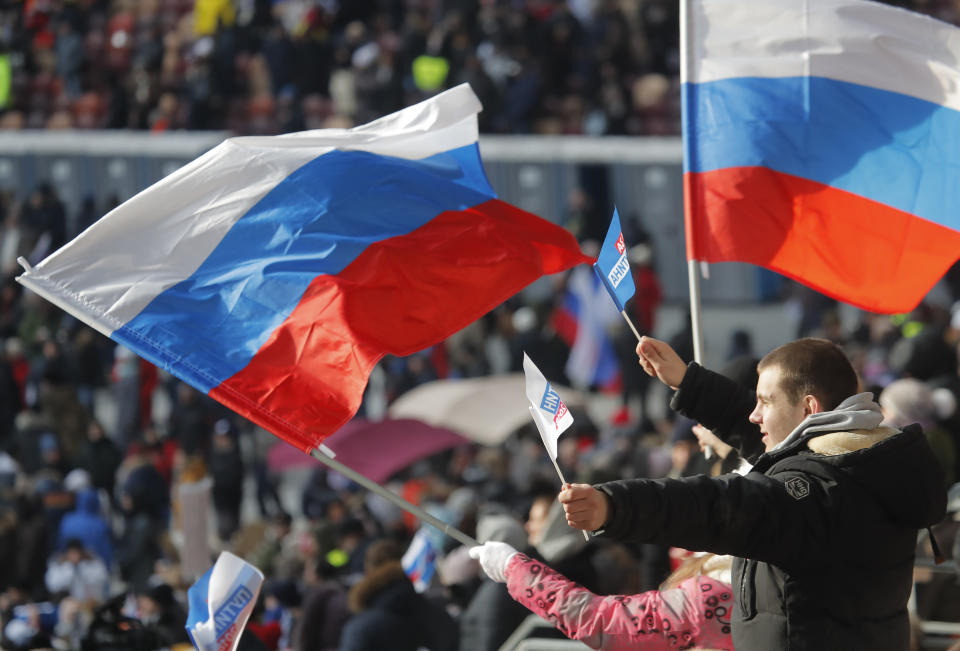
(774, 413)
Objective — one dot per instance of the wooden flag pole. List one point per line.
(327, 459)
(623, 313)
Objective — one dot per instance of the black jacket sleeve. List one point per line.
(775, 519)
(721, 405)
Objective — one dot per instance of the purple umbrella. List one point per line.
(377, 449)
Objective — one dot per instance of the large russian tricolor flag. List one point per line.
(822, 140)
(273, 272)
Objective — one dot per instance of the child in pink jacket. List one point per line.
(693, 613)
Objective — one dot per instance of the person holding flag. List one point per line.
(549, 413)
(691, 608)
(824, 526)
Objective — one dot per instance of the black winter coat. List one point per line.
(390, 614)
(825, 542)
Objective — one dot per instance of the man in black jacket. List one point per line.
(825, 524)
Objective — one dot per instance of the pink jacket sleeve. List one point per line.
(694, 614)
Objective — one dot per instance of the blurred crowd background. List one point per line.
(593, 67)
(95, 443)
(97, 446)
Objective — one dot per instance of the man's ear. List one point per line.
(811, 405)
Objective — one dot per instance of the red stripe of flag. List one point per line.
(399, 296)
(857, 250)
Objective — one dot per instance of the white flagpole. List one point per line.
(686, 76)
(536, 421)
(693, 274)
(695, 311)
(321, 455)
(623, 313)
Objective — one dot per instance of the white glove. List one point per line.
(493, 557)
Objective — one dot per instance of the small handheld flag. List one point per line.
(612, 265)
(613, 268)
(221, 602)
(420, 560)
(549, 413)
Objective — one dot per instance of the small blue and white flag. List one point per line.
(221, 602)
(612, 265)
(420, 560)
(549, 413)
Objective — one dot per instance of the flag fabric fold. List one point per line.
(549, 412)
(822, 140)
(220, 603)
(272, 273)
(612, 265)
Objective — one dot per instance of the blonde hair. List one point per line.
(690, 567)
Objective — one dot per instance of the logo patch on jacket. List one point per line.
(797, 487)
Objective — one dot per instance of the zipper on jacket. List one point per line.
(749, 569)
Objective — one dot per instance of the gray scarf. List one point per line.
(855, 413)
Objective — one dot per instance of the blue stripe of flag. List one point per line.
(198, 609)
(317, 221)
(891, 148)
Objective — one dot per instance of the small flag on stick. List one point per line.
(221, 602)
(613, 268)
(420, 560)
(549, 413)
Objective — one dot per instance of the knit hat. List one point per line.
(683, 430)
(77, 480)
(501, 528)
(162, 594)
(908, 401)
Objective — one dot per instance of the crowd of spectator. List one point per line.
(90, 530)
(592, 67)
(90, 519)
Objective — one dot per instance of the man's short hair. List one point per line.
(816, 367)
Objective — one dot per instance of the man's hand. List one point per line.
(659, 360)
(586, 507)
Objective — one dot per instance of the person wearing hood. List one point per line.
(162, 615)
(556, 543)
(388, 612)
(823, 527)
(86, 524)
(492, 615)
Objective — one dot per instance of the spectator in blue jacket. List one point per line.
(86, 524)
